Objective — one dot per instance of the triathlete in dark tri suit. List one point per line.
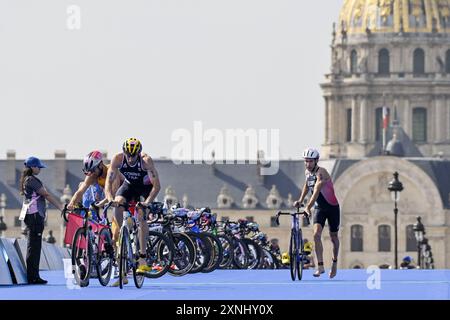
(318, 183)
(141, 180)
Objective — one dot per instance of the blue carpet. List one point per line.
(250, 285)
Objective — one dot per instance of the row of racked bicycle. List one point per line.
(180, 241)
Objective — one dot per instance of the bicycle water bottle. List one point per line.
(129, 220)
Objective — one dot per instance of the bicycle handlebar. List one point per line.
(280, 213)
(76, 210)
(105, 209)
(79, 209)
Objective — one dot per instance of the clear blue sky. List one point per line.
(146, 68)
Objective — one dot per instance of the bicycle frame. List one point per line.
(296, 243)
(129, 233)
(92, 245)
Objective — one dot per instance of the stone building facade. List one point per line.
(385, 53)
(393, 53)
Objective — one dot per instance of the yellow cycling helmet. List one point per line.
(132, 146)
(285, 258)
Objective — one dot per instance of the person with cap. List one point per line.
(407, 263)
(33, 214)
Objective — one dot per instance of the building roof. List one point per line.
(200, 182)
(439, 172)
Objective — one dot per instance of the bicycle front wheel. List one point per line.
(81, 257)
(123, 255)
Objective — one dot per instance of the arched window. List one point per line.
(419, 125)
(419, 62)
(384, 238)
(411, 242)
(447, 61)
(356, 242)
(384, 65)
(353, 62)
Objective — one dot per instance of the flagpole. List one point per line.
(385, 122)
(384, 130)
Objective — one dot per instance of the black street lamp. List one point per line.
(423, 247)
(395, 187)
(51, 239)
(3, 226)
(419, 232)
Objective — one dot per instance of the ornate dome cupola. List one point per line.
(395, 16)
(395, 146)
(394, 54)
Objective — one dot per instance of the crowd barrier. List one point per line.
(13, 254)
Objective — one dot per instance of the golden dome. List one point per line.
(383, 16)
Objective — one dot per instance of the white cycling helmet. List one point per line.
(311, 153)
(92, 161)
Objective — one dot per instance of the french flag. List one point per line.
(385, 117)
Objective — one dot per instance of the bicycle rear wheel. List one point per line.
(240, 254)
(81, 257)
(160, 253)
(300, 256)
(268, 261)
(293, 256)
(254, 253)
(216, 253)
(138, 277)
(105, 256)
(184, 254)
(203, 247)
(227, 246)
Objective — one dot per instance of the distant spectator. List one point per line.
(33, 214)
(407, 263)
